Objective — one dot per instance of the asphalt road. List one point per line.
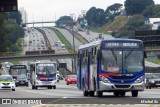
(69, 94)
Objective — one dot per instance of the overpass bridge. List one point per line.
(56, 56)
(153, 51)
(40, 22)
(37, 57)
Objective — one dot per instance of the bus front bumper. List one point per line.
(109, 87)
(46, 83)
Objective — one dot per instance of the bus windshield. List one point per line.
(124, 61)
(18, 70)
(45, 68)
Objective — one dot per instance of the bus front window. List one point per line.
(122, 61)
(46, 69)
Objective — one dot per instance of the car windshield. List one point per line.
(18, 71)
(6, 78)
(153, 76)
(122, 61)
(72, 76)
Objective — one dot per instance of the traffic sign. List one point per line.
(152, 57)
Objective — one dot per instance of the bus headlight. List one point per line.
(104, 79)
(139, 80)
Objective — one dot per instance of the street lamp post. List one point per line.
(74, 57)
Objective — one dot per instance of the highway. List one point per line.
(53, 39)
(69, 94)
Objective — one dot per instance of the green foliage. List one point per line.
(95, 17)
(15, 16)
(152, 11)
(115, 8)
(135, 22)
(136, 6)
(10, 32)
(63, 39)
(64, 21)
(155, 60)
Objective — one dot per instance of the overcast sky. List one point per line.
(52, 9)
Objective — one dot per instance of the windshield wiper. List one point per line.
(115, 57)
(48, 70)
(128, 54)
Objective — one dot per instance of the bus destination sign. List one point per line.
(122, 44)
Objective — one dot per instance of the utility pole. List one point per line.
(74, 57)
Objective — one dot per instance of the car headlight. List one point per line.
(68, 79)
(139, 80)
(104, 79)
(152, 81)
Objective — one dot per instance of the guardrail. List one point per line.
(40, 52)
(45, 38)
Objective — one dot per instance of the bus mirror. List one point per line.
(99, 55)
(145, 54)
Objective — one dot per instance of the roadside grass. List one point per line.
(63, 40)
(154, 60)
(16, 61)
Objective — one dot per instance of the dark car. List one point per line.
(60, 77)
(21, 81)
(71, 79)
(152, 80)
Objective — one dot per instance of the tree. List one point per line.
(15, 16)
(136, 22)
(10, 32)
(136, 6)
(64, 21)
(95, 17)
(152, 11)
(90, 16)
(2, 33)
(115, 8)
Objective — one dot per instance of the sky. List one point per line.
(51, 10)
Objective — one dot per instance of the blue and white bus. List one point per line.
(43, 74)
(113, 65)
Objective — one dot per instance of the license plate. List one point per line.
(157, 84)
(47, 82)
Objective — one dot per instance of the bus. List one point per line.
(43, 74)
(16, 70)
(113, 65)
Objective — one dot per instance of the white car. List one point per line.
(7, 82)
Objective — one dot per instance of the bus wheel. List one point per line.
(134, 93)
(91, 93)
(49, 87)
(35, 87)
(99, 93)
(32, 86)
(85, 93)
(122, 93)
(54, 87)
(146, 87)
(116, 94)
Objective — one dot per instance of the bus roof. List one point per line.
(30, 63)
(95, 43)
